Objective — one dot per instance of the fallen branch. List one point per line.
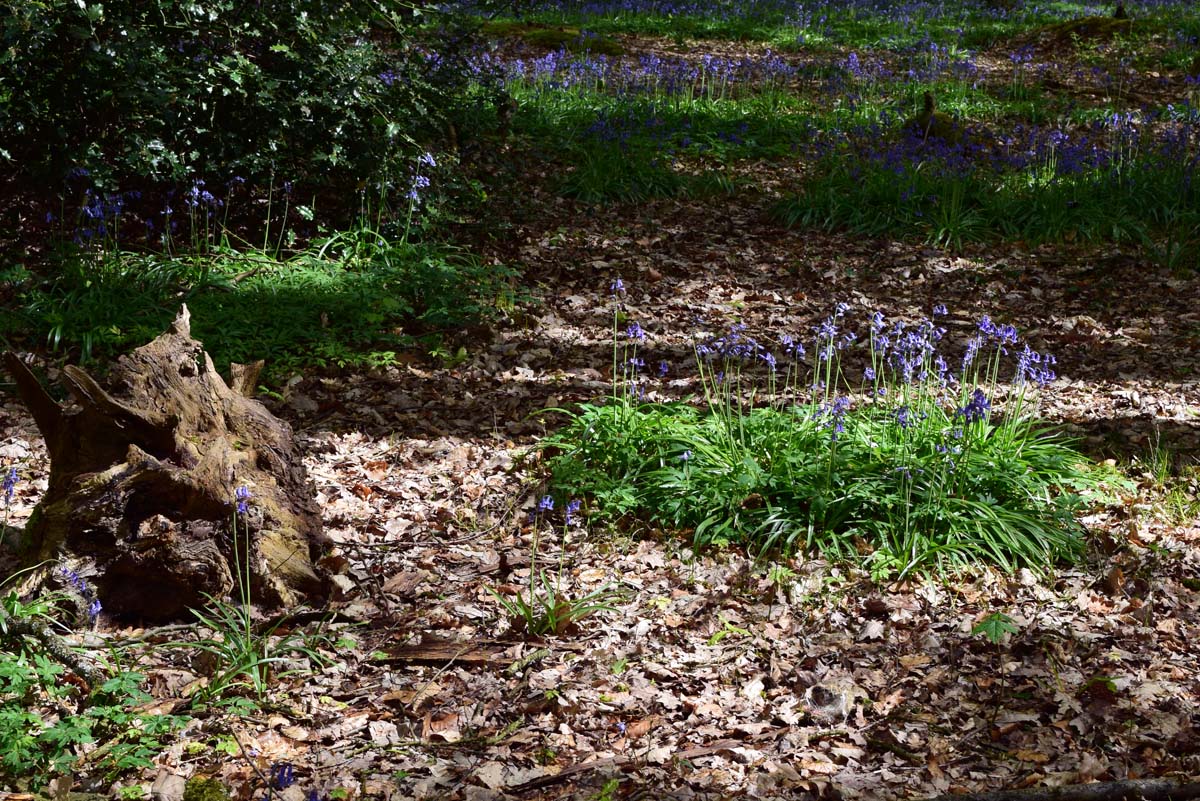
(52, 644)
(1134, 790)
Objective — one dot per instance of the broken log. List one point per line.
(143, 476)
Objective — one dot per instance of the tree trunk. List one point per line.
(143, 478)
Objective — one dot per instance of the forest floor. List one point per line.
(713, 678)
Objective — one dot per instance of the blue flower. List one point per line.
(93, 609)
(634, 331)
(10, 485)
(546, 504)
(617, 287)
(663, 367)
(573, 508)
(977, 408)
(283, 775)
(242, 494)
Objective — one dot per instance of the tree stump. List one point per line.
(143, 478)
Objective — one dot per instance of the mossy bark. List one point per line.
(143, 476)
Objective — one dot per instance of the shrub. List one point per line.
(163, 90)
(907, 463)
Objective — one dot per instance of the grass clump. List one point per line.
(908, 465)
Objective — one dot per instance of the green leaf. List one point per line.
(995, 626)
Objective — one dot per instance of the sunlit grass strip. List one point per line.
(913, 470)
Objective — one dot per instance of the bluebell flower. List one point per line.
(686, 456)
(242, 495)
(93, 609)
(10, 484)
(573, 508)
(546, 504)
(977, 408)
(663, 368)
(283, 775)
(634, 331)
(617, 287)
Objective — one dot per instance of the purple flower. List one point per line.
(940, 310)
(977, 408)
(546, 504)
(93, 609)
(973, 346)
(903, 417)
(427, 160)
(686, 456)
(634, 331)
(617, 287)
(869, 373)
(10, 485)
(242, 494)
(663, 367)
(792, 347)
(573, 508)
(283, 775)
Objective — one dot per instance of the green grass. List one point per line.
(355, 300)
(824, 27)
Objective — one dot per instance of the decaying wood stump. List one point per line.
(143, 478)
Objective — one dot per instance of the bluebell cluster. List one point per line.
(1105, 145)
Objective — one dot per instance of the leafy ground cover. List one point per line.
(704, 673)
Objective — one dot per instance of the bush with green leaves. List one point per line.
(166, 91)
(907, 461)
